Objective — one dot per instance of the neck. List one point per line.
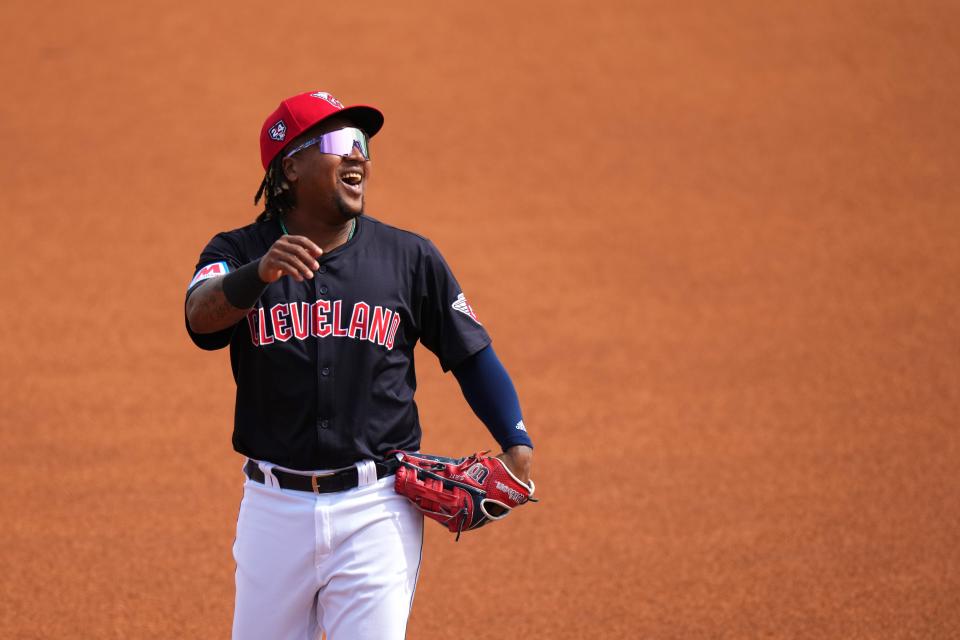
(327, 235)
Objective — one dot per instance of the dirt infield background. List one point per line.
(717, 245)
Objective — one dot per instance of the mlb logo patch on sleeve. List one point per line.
(210, 271)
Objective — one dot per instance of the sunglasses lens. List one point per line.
(343, 141)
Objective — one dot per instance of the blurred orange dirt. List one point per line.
(717, 246)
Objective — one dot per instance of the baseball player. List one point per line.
(321, 306)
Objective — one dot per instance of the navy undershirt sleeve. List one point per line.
(490, 393)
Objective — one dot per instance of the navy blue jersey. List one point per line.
(324, 367)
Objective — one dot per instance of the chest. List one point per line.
(372, 303)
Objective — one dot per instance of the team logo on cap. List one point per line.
(461, 305)
(323, 95)
(278, 131)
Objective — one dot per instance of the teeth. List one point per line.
(352, 178)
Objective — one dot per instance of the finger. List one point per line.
(267, 272)
(294, 267)
(273, 274)
(301, 253)
(308, 244)
(289, 270)
(283, 266)
(304, 263)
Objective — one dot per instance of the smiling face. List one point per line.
(328, 186)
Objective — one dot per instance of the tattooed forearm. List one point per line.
(208, 309)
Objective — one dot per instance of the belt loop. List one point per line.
(270, 480)
(366, 472)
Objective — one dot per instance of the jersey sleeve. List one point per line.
(221, 256)
(448, 325)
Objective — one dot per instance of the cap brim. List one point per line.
(367, 118)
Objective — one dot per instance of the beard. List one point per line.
(345, 210)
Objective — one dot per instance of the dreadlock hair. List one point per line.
(278, 196)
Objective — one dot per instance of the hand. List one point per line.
(294, 256)
(519, 459)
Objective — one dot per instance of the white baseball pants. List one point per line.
(342, 563)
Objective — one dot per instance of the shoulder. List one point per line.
(403, 239)
(255, 231)
(251, 239)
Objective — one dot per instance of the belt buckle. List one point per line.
(314, 477)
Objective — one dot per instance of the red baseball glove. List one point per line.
(460, 493)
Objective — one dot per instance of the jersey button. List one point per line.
(324, 290)
(323, 268)
(325, 371)
(324, 424)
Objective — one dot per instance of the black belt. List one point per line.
(331, 482)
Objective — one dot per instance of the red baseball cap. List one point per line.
(297, 114)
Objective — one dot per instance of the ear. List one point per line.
(290, 169)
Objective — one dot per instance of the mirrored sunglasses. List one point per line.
(339, 143)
